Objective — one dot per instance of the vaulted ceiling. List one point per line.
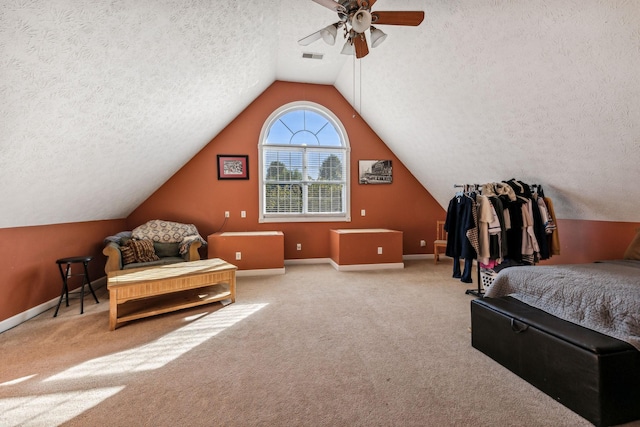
(102, 101)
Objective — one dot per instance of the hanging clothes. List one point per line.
(486, 215)
(461, 228)
(530, 247)
(501, 224)
(459, 220)
(540, 223)
(499, 249)
(551, 228)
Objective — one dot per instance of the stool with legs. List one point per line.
(66, 273)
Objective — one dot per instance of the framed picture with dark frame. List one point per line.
(375, 172)
(231, 166)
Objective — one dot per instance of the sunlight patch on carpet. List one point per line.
(17, 380)
(51, 409)
(165, 349)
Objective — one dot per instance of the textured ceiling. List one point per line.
(132, 89)
(483, 90)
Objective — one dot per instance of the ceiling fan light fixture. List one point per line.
(361, 21)
(348, 48)
(329, 33)
(377, 36)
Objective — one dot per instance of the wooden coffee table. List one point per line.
(144, 292)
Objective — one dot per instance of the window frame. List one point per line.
(332, 119)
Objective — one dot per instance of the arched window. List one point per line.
(304, 165)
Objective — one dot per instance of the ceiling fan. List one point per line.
(356, 17)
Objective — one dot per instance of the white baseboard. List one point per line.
(417, 256)
(14, 321)
(260, 272)
(307, 261)
(363, 267)
(329, 260)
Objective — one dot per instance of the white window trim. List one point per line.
(292, 217)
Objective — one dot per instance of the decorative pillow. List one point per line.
(117, 238)
(166, 249)
(127, 255)
(143, 250)
(633, 251)
(164, 231)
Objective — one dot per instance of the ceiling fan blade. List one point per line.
(397, 18)
(360, 44)
(305, 41)
(335, 6)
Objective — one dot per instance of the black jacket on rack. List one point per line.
(458, 221)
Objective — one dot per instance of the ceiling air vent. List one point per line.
(312, 55)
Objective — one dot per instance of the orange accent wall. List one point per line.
(589, 241)
(195, 195)
(29, 275)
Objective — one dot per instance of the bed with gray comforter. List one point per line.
(602, 296)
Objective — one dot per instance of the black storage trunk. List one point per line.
(594, 375)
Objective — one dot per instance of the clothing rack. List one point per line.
(545, 239)
(468, 187)
(477, 291)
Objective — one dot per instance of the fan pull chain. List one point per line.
(357, 99)
(360, 69)
(355, 107)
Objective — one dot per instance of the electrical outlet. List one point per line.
(243, 214)
(379, 250)
(423, 243)
(363, 212)
(299, 246)
(238, 256)
(226, 214)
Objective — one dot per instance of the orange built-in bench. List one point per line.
(365, 249)
(253, 252)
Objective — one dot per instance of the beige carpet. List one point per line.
(313, 347)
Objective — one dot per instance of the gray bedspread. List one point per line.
(603, 296)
